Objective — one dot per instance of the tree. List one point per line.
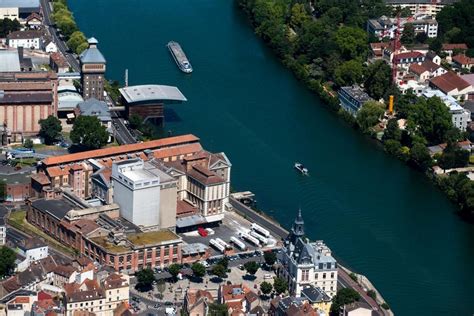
(343, 297)
(7, 261)
(89, 132)
(453, 157)
(28, 143)
(392, 131)
(270, 257)
(3, 190)
(369, 115)
(436, 45)
(135, 121)
(352, 42)
(372, 294)
(145, 279)
(7, 26)
(266, 287)
(174, 270)
(199, 270)
(280, 285)
(408, 34)
(224, 261)
(299, 16)
(77, 38)
(251, 267)
(50, 129)
(421, 37)
(378, 79)
(216, 309)
(348, 73)
(420, 155)
(219, 271)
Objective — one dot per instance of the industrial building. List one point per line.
(430, 7)
(352, 98)
(147, 101)
(92, 71)
(18, 9)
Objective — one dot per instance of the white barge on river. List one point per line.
(179, 57)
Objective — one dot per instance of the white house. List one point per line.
(460, 116)
(426, 71)
(28, 39)
(50, 47)
(3, 232)
(305, 263)
(32, 250)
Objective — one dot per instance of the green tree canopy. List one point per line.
(219, 271)
(266, 287)
(378, 79)
(408, 34)
(270, 257)
(352, 42)
(349, 73)
(392, 131)
(280, 285)
(420, 155)
(28, 143)
(7, 261)
(174, 269)
(50, 129)
(76, 40)
(89, 132)
(224, 261)
(7, 26)
(199, 270)
(251, 267)
(343, 296)
(216, 309)
(453, 157)
(369, 114)
(145, 279)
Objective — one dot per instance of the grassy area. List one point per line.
(17, 220)
(24, 162)
(103, 242)
(152, 237)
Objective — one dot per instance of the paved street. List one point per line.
(73, 62)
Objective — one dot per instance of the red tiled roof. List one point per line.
(463, 59)
(427, 65)
(449, 82)
(57, 171)
(41, 178)
(454, 46)
(120, 150)
(44, 296)
(408, 55)
(417, 69)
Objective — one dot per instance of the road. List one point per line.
(253, 216)
(73, 62)
(121, 132)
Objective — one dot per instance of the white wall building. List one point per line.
(3, 232)
(460, 116)
(385, 27)
(146, 195)
(305, 263)
(28, 39)
(431, 7)
(32, 250)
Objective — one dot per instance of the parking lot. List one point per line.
(232, 225)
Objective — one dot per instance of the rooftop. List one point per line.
(155, 237)
(9, 61)
(92, 55)
(57, 208)
(25, 34)
(124, 149)
(449, 82)
(19, 3)
(94, 107)
(143, 93)
(357, 93)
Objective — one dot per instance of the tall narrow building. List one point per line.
(92, 71)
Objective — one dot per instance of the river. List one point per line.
(379, 217)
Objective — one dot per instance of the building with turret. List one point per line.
(306, 264)
(92, 71)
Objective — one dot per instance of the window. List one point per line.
(304, 275)
(324, 275)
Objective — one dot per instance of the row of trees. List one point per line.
(7, 26)
(87, 131)
(64, 20)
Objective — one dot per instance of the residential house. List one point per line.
(305, 263)
(406, 59)
(31, 39)
(453, 49)
(291, 306)
(385, 27)
(47, 305)
(99, 109)
(50, 46)
(425, 71)
(358, 309)
(432, 56)
(352, 98)
(461, 62)
(318, 299)
(3, 229)
(34, 20)
(21, 304)
(196, 302)
(460, 116)
(429, 7)
(18, 9)
(452, 85)
(376, 50)
(32, 249)
(238, 298)
(58, 63)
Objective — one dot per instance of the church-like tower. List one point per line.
(297, 230)
(92, 71)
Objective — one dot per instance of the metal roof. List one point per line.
(141, 93)
(92, 55)
(9, 61)
(19, 3)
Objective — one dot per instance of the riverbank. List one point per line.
(360, 283)
(286, 28)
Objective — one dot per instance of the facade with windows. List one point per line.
(92, 71)
(305, 263)
(352, 98)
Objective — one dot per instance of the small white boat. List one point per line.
(301, 168)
